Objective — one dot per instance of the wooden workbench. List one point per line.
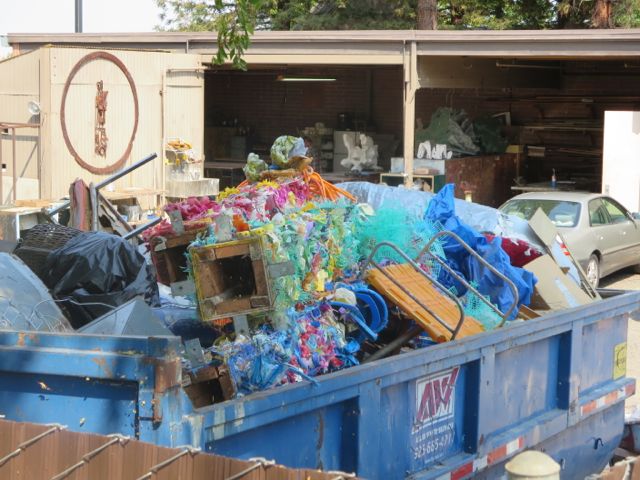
(229, 173)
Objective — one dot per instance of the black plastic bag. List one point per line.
(96, 271)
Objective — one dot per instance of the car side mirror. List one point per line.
(635, 215)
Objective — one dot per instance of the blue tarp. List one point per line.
(467, 220)
(441, 209)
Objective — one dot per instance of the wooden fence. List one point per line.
(33, 452)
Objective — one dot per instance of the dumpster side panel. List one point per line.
(525, 384)
(33, 397)
(581, 450)
(461, 409)
(323, 438)
(600, 340)
(96, 384)
(454, 410)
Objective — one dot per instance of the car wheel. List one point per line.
(593, 270)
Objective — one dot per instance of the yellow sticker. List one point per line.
(620, 360)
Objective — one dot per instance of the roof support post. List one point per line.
(411, 85)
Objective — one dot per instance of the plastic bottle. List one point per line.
(553, 178)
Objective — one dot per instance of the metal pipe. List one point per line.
(153, 470)
(55, 210)
(418, 269)
(14, 163)
(40, 188)
(93, 195)
(260, 463)
(78, 19)
(88, 456)
(397, 343)
(191, 69)
(125, 171)
(500, 64)
(163, 181)
(512, 287)
(137, 231)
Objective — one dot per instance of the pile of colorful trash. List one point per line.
(286, 277)
(283, 268)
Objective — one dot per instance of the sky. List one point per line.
(57, 16)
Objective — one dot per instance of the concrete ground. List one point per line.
(627, 280)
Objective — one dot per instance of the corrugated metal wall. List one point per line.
(147, 70)
(19, 84)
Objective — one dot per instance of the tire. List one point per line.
(593, 270)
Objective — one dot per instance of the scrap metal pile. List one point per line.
(287, 277)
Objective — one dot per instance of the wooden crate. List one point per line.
(230, 279)
(168, 256)
(207, 385)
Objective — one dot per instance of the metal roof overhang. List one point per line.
(369, 47)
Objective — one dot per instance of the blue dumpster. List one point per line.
(451, 411)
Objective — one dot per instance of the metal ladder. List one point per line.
(426, 252)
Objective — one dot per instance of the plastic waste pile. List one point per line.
(294, 277)
(323, 315)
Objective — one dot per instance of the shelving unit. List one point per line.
(326, 151)
(431, 183)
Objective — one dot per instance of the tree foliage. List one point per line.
(452, 14)
(344, 14)
(240, 16)
(626, 14)
(234, 21)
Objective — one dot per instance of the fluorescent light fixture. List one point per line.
(290, 78)
(500, 64)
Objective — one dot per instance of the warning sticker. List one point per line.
(620, 360)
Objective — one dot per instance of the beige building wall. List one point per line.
(19, 84)
(150, 71)
(170, 91)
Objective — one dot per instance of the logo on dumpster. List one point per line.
(435, 397)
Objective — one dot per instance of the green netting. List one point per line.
(475, 307)
(489, 133)
(452, 128)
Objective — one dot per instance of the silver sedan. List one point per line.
(601, 234)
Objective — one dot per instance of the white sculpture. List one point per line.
(424, 150)
(439, 152)
(360, 157)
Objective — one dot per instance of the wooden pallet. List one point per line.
(421, 288)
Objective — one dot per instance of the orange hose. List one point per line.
(321, 187)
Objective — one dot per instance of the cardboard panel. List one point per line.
(554, 290)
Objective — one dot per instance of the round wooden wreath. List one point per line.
(118, 63)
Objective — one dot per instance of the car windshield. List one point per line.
(561, 212)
